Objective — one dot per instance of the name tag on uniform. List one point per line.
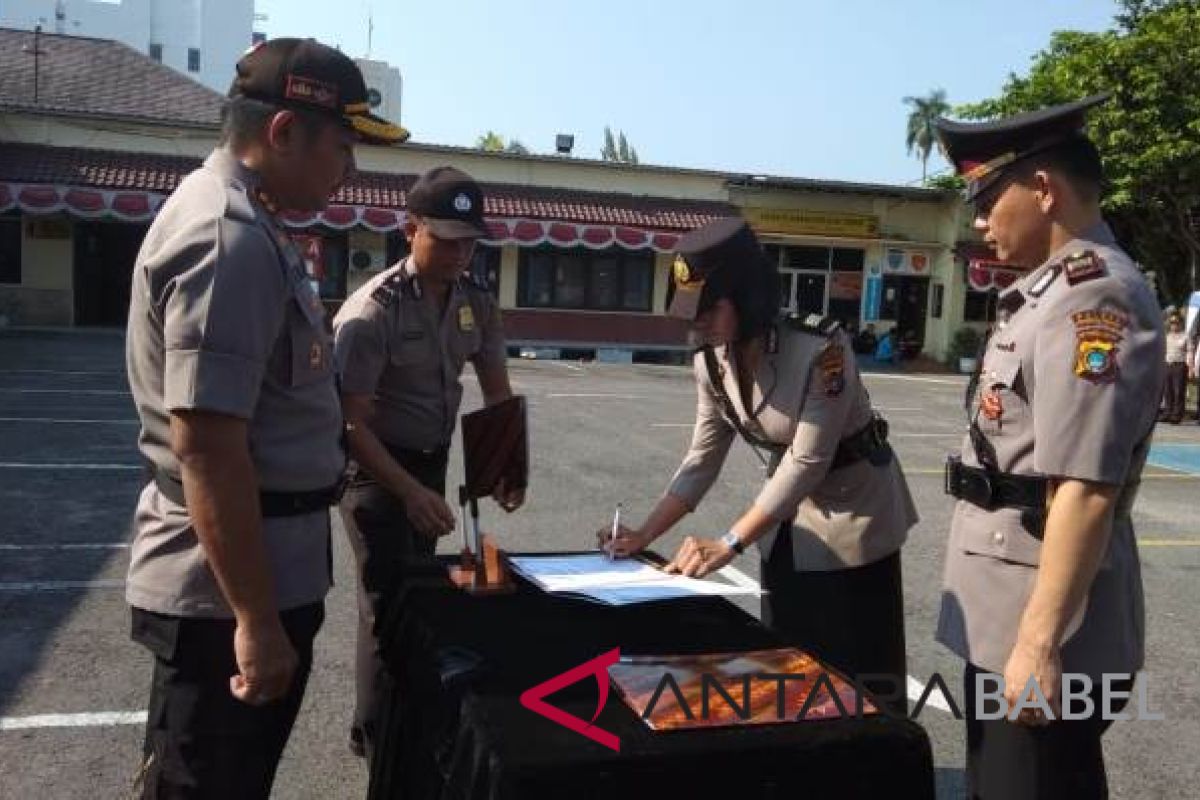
(316, 356)
(466, 319)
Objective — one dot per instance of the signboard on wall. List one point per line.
(873, 297)
(906, 262)
(802, 222)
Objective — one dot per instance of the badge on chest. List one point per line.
(466, 319)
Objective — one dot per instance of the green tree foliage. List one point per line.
(920, 135)
(515, 146)
(618, 148)
(1148, 134)
(491, 142)
(609, 151)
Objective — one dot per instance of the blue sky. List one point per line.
(808, 88)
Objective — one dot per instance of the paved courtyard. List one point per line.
(73, 687)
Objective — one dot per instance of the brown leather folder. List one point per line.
(495, 446)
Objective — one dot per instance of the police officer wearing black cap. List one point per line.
(1042, 575)
(402, 341)
(831, 518)
(231, 370)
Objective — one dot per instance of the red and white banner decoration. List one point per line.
(126, 206)
(137, 206)
(984, 275)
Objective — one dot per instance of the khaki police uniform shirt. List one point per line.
(1076, 365)
(807, 397)
(223, 319)
(393, 341)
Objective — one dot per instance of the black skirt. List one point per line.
(852, 619)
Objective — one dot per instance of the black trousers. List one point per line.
(852, 618)
(383, 541)
(1175, 392)
(1060, 761)
(201, 742)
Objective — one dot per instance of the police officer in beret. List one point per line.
(402, 340)
(231, 370)
(1042, 573)
(831, 518)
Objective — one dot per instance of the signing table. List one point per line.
(453, 725)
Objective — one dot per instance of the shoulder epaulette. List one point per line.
(389, 289)
(1082, 266)
(814, 324)
(469, 280)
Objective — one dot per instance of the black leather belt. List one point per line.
(272, 503)
(991, 490)
(406, 455)
(868, 443)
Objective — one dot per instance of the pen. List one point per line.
(616, 526)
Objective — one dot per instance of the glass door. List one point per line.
(810, 293)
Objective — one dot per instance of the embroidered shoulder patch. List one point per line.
(1083, 266)
(1097, 334)
(833, 370)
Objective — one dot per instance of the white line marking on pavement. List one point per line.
(935, 699)
(575, 367)
(957, 435)
(918, 379)
(596, 394)
(56, 421)
(59, 372)
(68, 546)
(58, 586)
(26, 465)
(93, 720)
(101, 392)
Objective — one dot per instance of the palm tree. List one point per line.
(921, 136)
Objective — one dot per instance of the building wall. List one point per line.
(930, 227)
(219, 29)
(44, 296)
(385, 79)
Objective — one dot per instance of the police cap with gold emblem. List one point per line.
(305, 74)
(713, 252)
(985, 152)
(450, 202)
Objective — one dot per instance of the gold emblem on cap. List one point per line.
(988, 167)
(683, 273)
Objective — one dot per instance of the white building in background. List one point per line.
(202, 39)
(384, 86)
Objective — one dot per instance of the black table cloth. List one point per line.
(453, 726)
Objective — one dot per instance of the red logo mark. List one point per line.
(597, 667)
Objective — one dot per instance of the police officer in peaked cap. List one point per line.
(1042, 575)
(231, 370)
(831, 517)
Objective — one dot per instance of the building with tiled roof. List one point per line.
(579, 254)
(75, 76)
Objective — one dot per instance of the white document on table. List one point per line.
(624, 581)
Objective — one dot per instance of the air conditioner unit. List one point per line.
(361, 260)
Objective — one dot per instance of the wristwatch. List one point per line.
(731, 540)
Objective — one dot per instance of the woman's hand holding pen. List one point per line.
(625, 543)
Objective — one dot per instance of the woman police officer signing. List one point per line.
(831, 518)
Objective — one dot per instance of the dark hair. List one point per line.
(1077, 159)
(244, 118)
(754, 291)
